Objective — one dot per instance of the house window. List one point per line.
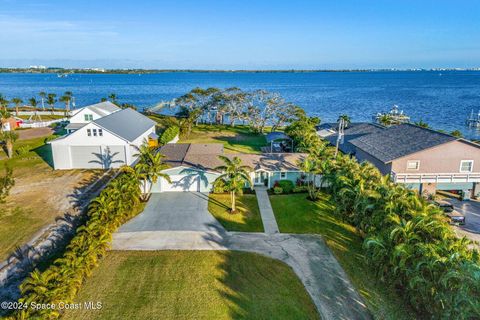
(466, 166)
(89, 132)
(283, 175)
(88, 117)
(100, 132)
(413, 165)
(94, 132)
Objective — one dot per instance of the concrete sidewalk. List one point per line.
(266, 211)
(308, 256)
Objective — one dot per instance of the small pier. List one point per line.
(473, 121)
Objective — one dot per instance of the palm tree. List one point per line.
(17, 102)
(66, 99)
(43, 96)
(113, 98)
(234, 176)
(33, 102)
(346, 119)
(9, 137)
(3, 102)
(51, 100)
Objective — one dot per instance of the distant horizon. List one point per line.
(251, 35)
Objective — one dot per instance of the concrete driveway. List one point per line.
(471, 210)
(175, 211)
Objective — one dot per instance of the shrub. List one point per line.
(219, 186)
(169, 134)
(277, 190)
(286, 185)
(299, 189)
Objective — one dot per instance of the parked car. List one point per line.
(454, 216)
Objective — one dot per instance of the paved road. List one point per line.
(174, 211)
(181, 221)
(308, 256)
(471, 210)
(266, 211)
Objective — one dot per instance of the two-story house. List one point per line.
(106, 142)
(424, 159)
(90, 113)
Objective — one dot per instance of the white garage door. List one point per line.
(180, 183)
(95, 157)
(87, 157)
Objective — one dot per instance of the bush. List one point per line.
(219, 186)
(286, 185)
(169, 134)
(277, 190)
(300, 189)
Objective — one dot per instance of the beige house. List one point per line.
(423, 159)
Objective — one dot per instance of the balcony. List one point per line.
(435, 177)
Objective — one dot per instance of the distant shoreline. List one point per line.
(153, 71)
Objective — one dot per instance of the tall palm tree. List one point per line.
(66, 99)
(3, 102)
(43, 96)
(234, 176)
(51, 99)
(9, 137)
(346, 119)
(17, 102)
(113, 98)
(33, 102)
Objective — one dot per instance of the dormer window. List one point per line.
(413, 164)
(88, 117)
(466, 166)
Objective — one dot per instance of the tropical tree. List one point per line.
(113, 98)
(457, 133)
(346, 119)
(234, 177)
(51, 99)
(17, 102)
(43, 97)
(3, 102)
(9, 138)
(66, 99)
(422, 124)
(33, 102)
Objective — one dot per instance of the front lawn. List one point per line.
(40, 194)
(236, 139)
(296, 214)
(193, 285)
(246, 219)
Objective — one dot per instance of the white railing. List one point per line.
(40, 124)
(43, 113)
(458, 177)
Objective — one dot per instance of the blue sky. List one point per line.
(241, 34)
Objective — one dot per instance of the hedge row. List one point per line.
(169, 134)
(117, 203)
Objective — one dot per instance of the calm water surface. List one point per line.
(442, 99)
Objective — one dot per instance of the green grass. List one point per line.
(296, 214)
(235, 139)
(38, 153)
(193, 285)
(246, 219)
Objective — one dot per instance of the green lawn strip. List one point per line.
(36, 153)
(296, 214)
(193, 285)
(238, 139)
(246, 219)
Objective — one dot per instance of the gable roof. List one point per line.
(398, 141)
(328, 131)
(102, 108)
(190, 155)
(127, 123)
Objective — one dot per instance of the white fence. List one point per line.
(41, 124)
(43, 113)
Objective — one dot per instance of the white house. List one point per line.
(90, 113)
(106, 142)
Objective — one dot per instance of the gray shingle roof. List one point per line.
(400, 140)
(353, 131)
(127, 123)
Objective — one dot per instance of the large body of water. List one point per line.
(442, 99)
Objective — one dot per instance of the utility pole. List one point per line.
(341, 127)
